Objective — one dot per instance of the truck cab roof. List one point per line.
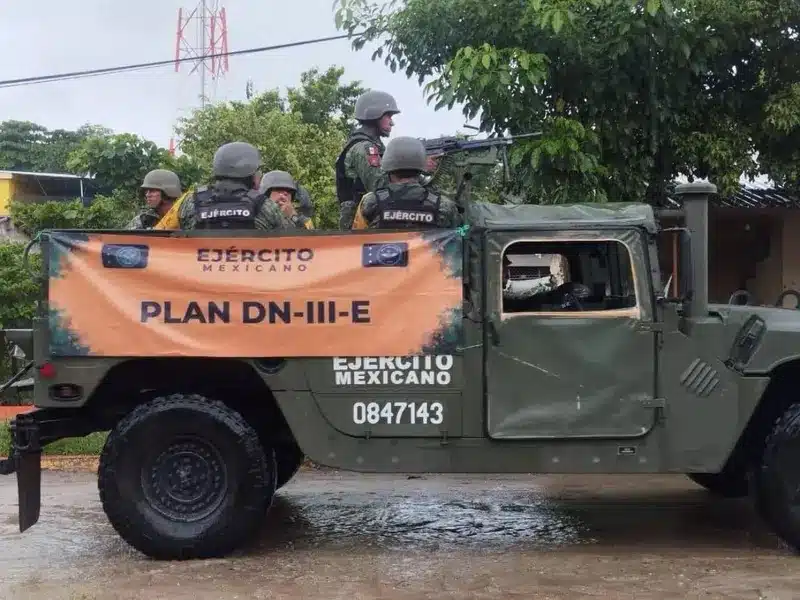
(561, 216)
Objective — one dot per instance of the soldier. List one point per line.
(282, 189)
(161, 188)
(358, 167)
(404, 203)
(233, 200)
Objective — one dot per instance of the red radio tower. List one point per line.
(203, 31)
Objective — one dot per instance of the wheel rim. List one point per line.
(187, 481)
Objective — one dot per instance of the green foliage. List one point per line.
(18, 289)
(628, 93)
(302, 135)
(104, 213)
(324, 101)
(26, 146)
(117, 161)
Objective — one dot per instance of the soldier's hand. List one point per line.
(286, 206)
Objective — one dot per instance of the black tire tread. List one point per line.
(240, 526)
(771, 507)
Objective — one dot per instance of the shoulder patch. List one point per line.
(373, 156)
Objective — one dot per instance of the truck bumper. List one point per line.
(25, 459)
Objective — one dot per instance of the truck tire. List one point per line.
(184, 477)
(288, 459)
(723, 484)
(777, 478)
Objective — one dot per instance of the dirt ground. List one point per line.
(349, 536)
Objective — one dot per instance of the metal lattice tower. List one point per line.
(201, 32)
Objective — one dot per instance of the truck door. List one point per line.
(569, 346)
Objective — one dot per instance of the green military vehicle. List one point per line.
(592, 368)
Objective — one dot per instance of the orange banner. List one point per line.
(127, 294)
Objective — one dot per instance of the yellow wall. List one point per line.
(6, 192)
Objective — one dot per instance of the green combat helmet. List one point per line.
(404, 154)
(277, 179)
(165, 181)
(236, 160)
(372, 105)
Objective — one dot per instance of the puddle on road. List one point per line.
(74, 536)
(419, 522)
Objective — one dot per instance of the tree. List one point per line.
(118, 161)
(302, 134)
(323, 100)
(27, 146)
(628, 93)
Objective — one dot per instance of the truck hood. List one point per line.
(778, 343)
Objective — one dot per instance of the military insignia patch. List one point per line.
(373, 156)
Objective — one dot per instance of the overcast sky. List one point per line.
(42, 37)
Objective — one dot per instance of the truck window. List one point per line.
(568, 277)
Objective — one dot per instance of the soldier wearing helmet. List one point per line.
(282, 189)
(358, 167)
(233, 200)
(161, 188)
(404, 203)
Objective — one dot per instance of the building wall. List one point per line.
(7, 190)
(747, 249)
(790, 242)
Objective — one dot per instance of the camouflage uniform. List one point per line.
(284, 181)
(165, 181)
(358, 168)
(232, 202)
(144, 220)
(407, 204)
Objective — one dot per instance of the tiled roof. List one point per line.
(750, 195)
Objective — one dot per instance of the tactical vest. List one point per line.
(397, 210)
(226, 208)
(351, 189)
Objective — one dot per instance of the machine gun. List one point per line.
(485, 152)
(448, 144)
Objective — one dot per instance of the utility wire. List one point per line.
(159, 63)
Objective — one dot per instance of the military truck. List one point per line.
(600, 370)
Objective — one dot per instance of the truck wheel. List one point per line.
(777, 479)
(185, 477)
(288, 459)
(723, 484)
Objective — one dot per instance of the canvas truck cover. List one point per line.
(123, 294)
(560, 216)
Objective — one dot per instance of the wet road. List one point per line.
(350, 536)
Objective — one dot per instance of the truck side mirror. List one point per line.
(685, 268)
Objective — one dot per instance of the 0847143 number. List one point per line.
(398, 413)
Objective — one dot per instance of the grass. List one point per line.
(91, 444)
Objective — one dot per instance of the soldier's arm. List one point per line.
(365, 211)
(134, 223)
(366, 165)
(451, 217)
(186, 213)
(271, 217)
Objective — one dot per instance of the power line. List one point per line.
(159, 63)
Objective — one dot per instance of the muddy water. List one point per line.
(349, 536)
